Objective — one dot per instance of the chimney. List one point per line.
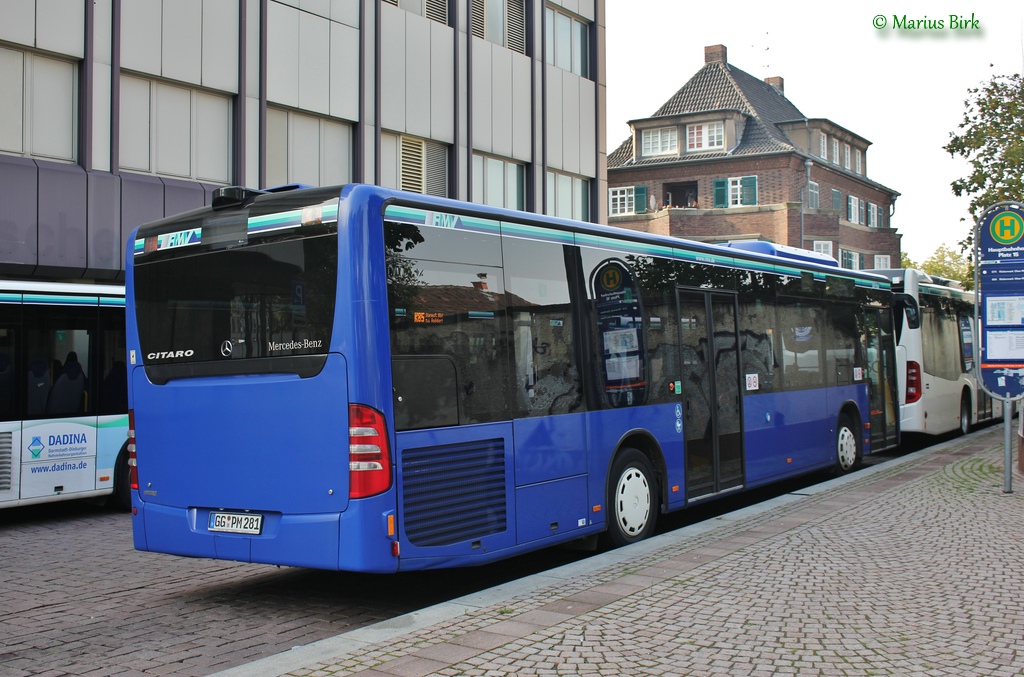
(776, 82)
(715, 54)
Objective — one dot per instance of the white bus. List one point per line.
(935, 355)
(63, 393)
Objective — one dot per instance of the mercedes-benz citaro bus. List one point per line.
(365, 379)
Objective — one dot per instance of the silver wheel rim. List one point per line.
(965, 419)
(632, 502)
(846, 448)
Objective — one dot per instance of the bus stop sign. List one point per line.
(1000, 279)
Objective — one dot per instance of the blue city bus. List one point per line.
(364, 379)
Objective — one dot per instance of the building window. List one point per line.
(812, 195)
(502, 22)
(422, 166)
(837, 200)
(835, 151)
(175, 131)
(872, 215)
(849, 260)
(823, 146)
(568, 196)
(39, 115)
(663, 141)
(435, 10)
(881, 261)
(860, 167)
(736, 191)
(880, 221)
(852, 209)
(567, 42)
(307, 149)
(846, 156)
(705, 136)
(498, 183)
(620, 201)
(823, 247)
(862, 208)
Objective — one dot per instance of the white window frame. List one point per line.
(846, 156)
(882, 261)
(620, 201)
(705, 136)
(578, 47)
(823, 146)
(813, 196)
(852, 209)
(823, 247)
(860, 166)
(835, 151)
(660, 141)
(33, 122)
(854, 259)
(498, 182)
(303, 148)
(872, 215)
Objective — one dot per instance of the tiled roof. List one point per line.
(719, 86)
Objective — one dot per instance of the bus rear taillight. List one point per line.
(133, 464)
(369, 458)
(913, 382)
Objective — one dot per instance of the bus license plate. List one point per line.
(236, 523)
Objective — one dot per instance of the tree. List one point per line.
(951, 264)
(991, 139)
(906, 261)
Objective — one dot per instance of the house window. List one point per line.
(861, 216)
(502, 22)
(736, 191)
(568, 196)
(881, 217)
(823, 146)
(837, 200)
(498, 183)
(812, 195)
(846, 156)
(881, 261)
(567, 42)
(835, 151)
(852, 209)
(872, 215)
(849, 260)
(860, 169)
(621, 201)
(705, 136)
(663, 141)
(307, 149)
(39, 114)
(823, 247)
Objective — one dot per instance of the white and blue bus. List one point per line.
(63, 393)
(363, 379)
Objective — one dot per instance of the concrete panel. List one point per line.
(102, 29)
(220, 45)
(501, 102)
(344, 72)
(392, 68)
(142, 200)
(314, 63)
(252, 47)
(442, 83)
(19, 196)
(181, 47)
(106, 252)
(389, 160)
(252, 145)
(346, 12)
(19, 22)
(141, 35)
(62, 29)
(283, 54)
(417, 75)
(277, 148)
(480, 104)
(570, 130)
(62, 219)
(100, 117)
(588, 128)
(553, 121)
(587, 9)
(12, 88)
(318, 7)
(522, 108)
(182, 196)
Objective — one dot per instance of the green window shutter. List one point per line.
(721, 193)
(837, 200)
(640, 199)
(748, 190)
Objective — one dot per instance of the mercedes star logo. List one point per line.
(226, 348)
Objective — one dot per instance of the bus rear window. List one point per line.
(270, 299)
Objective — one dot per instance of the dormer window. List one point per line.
(705, 136)
(663, 141)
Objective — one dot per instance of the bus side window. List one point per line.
(425, 392)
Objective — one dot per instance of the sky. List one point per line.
(903, 90)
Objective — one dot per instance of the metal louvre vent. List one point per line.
(411, 174)
(6, 461)
(436, 169)
(477, 18)
(516, 26)
(454, 493)
(437, 10)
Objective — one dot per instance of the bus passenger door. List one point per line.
(712, 420)
(882, 394)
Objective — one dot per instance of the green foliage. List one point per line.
(906, 262)
(991, 139)
(951, 264)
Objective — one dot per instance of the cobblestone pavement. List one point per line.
(914, 567)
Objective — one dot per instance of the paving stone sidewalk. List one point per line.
(912, 567)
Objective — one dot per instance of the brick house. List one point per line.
(730, 158)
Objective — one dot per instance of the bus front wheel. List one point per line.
(848, 452)
(632, 499)
(965, 414)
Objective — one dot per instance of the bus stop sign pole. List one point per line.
(999, 312)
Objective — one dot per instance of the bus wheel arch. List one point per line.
(634, 491)
(121, 498)
(849, 445)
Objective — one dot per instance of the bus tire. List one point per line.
(848, 449)
(632, 499)
(965, 414)
(121, 499)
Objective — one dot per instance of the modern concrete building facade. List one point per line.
(117, 112)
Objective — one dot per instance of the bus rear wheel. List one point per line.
(848, 452)
(632, 499)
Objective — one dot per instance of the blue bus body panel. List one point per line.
(550, 447)
(780, 444)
